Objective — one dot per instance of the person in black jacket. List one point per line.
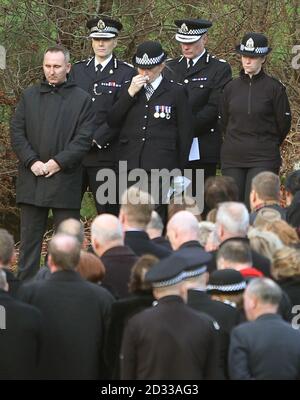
(51, 132)
(266, 347)
(292, 187)
(255, 117)
(203, 77)
(102, 76)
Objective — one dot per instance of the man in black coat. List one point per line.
(102, 76)
(76, 314)
(135, 217)
(169, 341)
(118, 259)
(203, 77)
(267, 347)
(51, 132)
(20, 336)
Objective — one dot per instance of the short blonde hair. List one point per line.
(264, 243)
(286, 263)
(137, 206)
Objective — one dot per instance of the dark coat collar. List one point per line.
(64, 276)
(268, 317)
(246, 77)
(118, 251)
(46, 87)
(172, 299)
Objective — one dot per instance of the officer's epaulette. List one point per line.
(219, 59)
(128, 64)
(180, 59)
(86, 61)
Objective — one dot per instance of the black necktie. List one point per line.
(99, 68)
(190, 64)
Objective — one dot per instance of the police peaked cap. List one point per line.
(191, 30)
(104, 27)
(254, 45)
(148, 55)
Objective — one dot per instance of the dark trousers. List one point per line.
(90, 181)
(33, 226)
(243, 178)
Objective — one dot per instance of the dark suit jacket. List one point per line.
(162, 241)
(267, 348)
(226, 316)
(122, 310)
(75, 314)
(260, 262)
(20, 342)
(141, 244)
(118, 262)
(13, 282)
(169, 341)
(293, 211)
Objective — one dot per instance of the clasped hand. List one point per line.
(45, 169)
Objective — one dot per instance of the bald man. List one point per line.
(118, 259)
(183, 230)
(75, 312)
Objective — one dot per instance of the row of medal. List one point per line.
(162, 112)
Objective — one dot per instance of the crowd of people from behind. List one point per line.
(160, 292)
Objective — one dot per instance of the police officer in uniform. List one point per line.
(153, 116)
(204, 76)
(255, 117)
(102, 75)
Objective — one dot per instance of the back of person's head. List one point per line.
(90, 267)
(286, 233)
(264, 243)
(7, 247)
(181, 228)
(233, 217)
(64, 252)
(137, 207)
(265, 290)
(155, 223)
(212, 215)
(265, 216)
(292, 182)
(286, 263)
(107, 228)
(72, 227)
(234, 252)
(218, 189)
(267, 186)
(3, 281)
(137, 277)
(205, 229)
(183, 203)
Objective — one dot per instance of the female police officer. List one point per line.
(255, 117)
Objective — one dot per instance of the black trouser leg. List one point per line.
(94, 184)
(60, 214)
(33, 227)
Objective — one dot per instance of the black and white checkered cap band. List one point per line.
(228, 288)
(107, 29)
(192, 32)
(195, 272)
(169, 282)
(145, 60)
(257, 50)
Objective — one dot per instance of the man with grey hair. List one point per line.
(75, 312)
(135, 214)
(266, 347)
(118, 259)
(51, 132)
(232, 223)
(155, 230)
(7, 259)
